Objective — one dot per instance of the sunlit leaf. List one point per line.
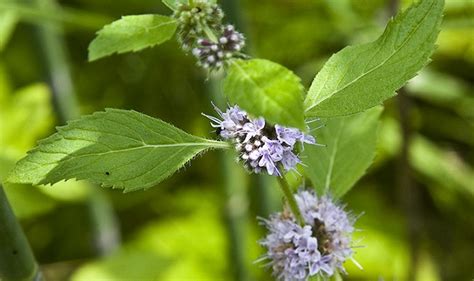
(350, 148)
(132, 33)
(264, 88)
(363, 76)
(25, 200)
(118, 148)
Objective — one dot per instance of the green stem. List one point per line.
(290, 198)
(106, 230)
(236, 201)
(16, 258)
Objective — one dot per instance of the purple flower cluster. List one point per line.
(213, 55)
(261, 146)
(201, 31)
(321, 246)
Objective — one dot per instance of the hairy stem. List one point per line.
(290, 198)
(16, 258)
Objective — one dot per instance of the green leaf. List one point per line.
(173, 4)
(350, 149)
(363, 76)
(117, 148)
(132, 33)
(25, 200)
(264, 88)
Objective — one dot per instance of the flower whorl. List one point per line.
(261, 146)
(320, 246)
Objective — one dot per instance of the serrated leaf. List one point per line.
(115, 148)
(363, 76)
(132, 33)
(350, 148)
(264, 88)
(173, 4)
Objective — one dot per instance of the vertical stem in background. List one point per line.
(16, 258)
(407, 188)
(236, 209)
(262, 186)
(236, 203)
(235, 180)
(57, 66)
(106, 230)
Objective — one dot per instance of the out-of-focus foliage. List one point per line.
(8, 20)
(168, 228)
(25, 115)
(188, 247)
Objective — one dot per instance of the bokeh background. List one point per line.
(417, 199)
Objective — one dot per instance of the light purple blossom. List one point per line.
(271, 153)
(291, 135)
(253, 128)
(289, 160)
(262, 147)
(320, 247)
(231, 124)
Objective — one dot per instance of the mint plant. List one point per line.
(270, 117)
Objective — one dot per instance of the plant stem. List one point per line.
(106, 230)
(290, 198)
(236, 201)
(16, 258)
(409, 193)
(235, 183)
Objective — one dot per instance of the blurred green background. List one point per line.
(417, 199)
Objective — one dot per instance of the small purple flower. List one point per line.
(320, 247)
(288, 135)
(253, 128)
(231, 124)
(289, 160)
(291, 135)
(262, 147)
